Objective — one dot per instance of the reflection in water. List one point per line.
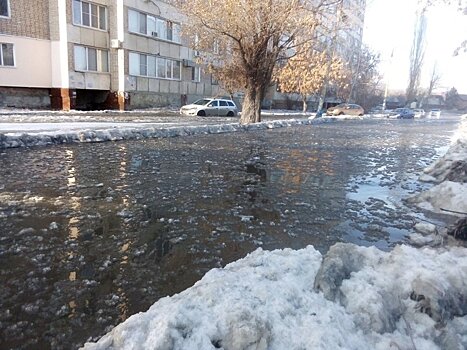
(123, 224)
(303, 165)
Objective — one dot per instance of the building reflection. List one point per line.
(80, 180)
(300, 167)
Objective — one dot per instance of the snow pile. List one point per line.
(354, 298)
(453, 165)
(450, 175)
(284, 112)
(447, 195)
(86, 132)
(342, 117)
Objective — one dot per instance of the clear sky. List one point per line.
(389, 26)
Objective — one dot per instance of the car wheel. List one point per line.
(360, 115)
(341, 113)
(201, 114)
(230, 114)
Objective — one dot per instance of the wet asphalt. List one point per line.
(93, 233)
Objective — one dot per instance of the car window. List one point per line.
(223, 103)
(213, 104)
(231, 104)
(201, 102)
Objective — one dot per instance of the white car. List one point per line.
(419, 113)
(435, 113)
(210, 107)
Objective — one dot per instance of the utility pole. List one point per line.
(386, 89)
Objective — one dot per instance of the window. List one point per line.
(7, 56)
(161, 71)
(89, 15)
(145, 24)
(91, 59)
(154, 67)
(196, 74)
(4, 8)
(223, 103)
(143, 64)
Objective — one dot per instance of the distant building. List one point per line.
(341, 32)
(434, 101)
(460, 102)
(96, 54)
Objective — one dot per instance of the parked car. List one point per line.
(403, 113)
(345, 108)
(377, 109)
(211, 107)
(419, 113)
(435, 113)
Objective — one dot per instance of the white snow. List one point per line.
(23, 133)
(448, 172)
(447, 195)
(363, 299)
(343, 117)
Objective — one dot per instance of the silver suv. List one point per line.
(210, 107)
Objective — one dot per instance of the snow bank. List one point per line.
(448, 195)
(354, 298)
(65, 133)
(450, 174)
(453, 165)
(343, 117)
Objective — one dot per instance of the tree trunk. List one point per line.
(251, 109)
(305, 104)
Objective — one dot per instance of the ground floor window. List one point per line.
(91, 59)
(154, 66)
(7, 56)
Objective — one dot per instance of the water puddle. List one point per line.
(91, 234)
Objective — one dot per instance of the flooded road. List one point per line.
(93, 233)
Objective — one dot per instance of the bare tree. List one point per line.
(417, 54)
(434, 80)
(250, 38)
(365, 83)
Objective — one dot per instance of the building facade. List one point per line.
(340, 32)
(119, 54)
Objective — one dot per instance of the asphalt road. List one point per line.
(93, 233)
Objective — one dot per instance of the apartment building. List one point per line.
(119, 54)
(340, 32)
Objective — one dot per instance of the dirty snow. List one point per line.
(448, 195)
(25, 128)
(449, 173)
(27, 131)
(356, 298)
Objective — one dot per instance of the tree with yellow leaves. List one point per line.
(308, 71)
(241, 41)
